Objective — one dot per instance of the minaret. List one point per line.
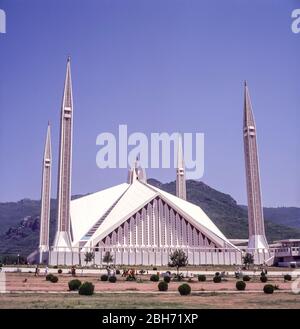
(63, 234)
(136, 172)
(257, 238)
(180, 172)
(45, 197)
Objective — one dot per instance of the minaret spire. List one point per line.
(45, 197)
(180, 172)
(257, 238)
(63, 234)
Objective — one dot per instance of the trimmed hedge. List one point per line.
(240, 285)
(287, 277)
(246, 278)
(167, 279)
(54, 279)
(217, 279)
(130, 278)
(268, 289)
(201, 277)
(59, 271)
(263, 279)
(154, 278)
(104, 277)
(184, 289)
(74, 284)
(112, 279)
(87, 288)
(49, 276)
(163, 286)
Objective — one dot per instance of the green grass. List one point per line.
(149, 301)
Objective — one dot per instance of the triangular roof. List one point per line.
(104, 211)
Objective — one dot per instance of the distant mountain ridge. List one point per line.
(19, 221)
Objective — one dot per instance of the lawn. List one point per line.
(165, 301)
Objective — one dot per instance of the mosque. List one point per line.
(138, 223)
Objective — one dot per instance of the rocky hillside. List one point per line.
(19, 221)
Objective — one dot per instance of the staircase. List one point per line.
(94, 228)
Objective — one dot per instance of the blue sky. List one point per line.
(156, 66)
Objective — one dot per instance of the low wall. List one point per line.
(152, 256)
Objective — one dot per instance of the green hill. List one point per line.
(19, 221)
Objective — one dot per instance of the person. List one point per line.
(238, 273)
(73, 271)
(46, 270)
(266, 268)
(37, 270)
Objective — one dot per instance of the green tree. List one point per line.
(88, 257)
(107, 258)
(248, 260)
(178, 259)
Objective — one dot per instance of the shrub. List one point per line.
(104, 277)
(112, 279)
(49, 276)
(201, 277)
(130, 277)
(217, 273)
(54, 279)
(268, 289)
(167, 279)
(263, 278)
(154, 268)
(178, 277)
(55, 266)
(154, 278)
(87, 288)
(217, 279)
(184, 289)
(142, 271)
(163, 286)
(59, 271)
(74, 284)
(246, 278)
(287, 277)
(118, 272)
(240, 285)
(276, 287)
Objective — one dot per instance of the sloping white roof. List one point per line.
(194, 213)
(137, 195)
(87, 210)
(125, 200)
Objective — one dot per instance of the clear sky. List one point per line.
(171, 65)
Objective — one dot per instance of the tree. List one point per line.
(248, 260)
(88, 257)
(178, 259)
(107, 258)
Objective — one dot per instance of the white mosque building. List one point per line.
(140, 224)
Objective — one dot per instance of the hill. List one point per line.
(19, 221)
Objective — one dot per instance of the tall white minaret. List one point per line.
(63, 234)
(45, 197)
(180, 172)
(257, 237)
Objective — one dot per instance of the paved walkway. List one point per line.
(200, 292)
(293, 272)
